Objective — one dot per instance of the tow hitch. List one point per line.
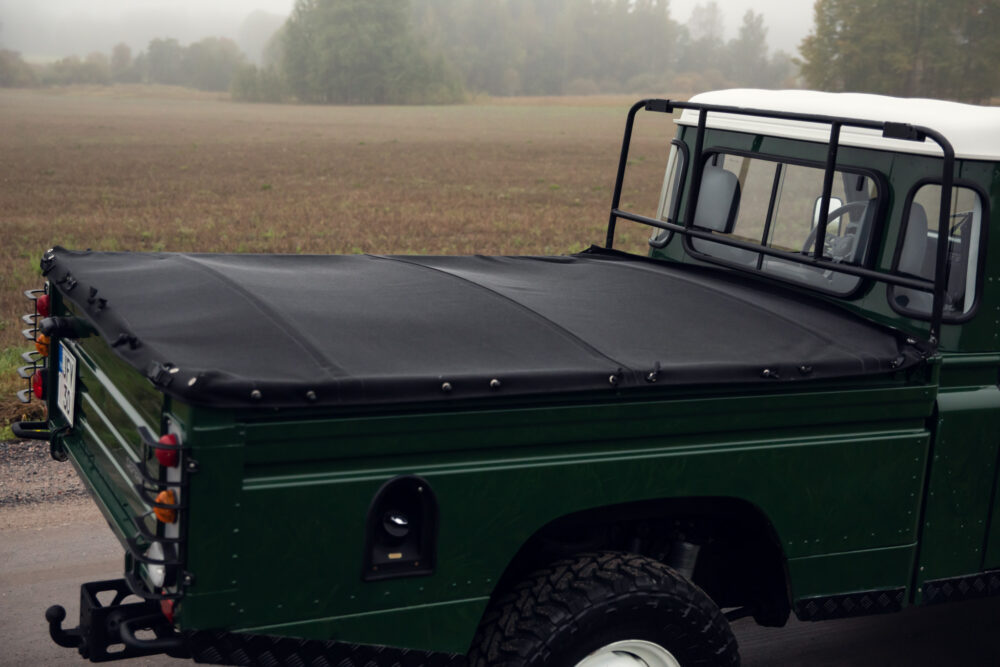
(108, 632)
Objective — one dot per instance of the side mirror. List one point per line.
(835, 203)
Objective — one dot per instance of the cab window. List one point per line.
(779, 207)
(917, 249)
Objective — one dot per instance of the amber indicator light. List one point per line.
(42, 344)
(162, 513)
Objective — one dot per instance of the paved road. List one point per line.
(46, 551)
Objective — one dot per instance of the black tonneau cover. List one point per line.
(296, 330)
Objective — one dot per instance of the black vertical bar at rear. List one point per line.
(699, 166)
(779, 168)
(944, 235)
(824, 206)
(620, 178)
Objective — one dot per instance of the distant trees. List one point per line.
(905, 47)
(95, 69)
(259, 84)
(361, 52)
(431, 51)
(549, 47)
(164, 58)
(552, 47)
(14, 72)
(211, 63)
(748, 52)
(123, 68)
(391, 51)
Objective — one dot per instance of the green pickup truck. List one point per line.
(790, 404)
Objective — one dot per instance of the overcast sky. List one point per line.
(45, 29)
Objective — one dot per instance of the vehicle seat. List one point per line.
(913, 261)
(718, 200)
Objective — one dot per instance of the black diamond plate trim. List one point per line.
(224, 648)
(981, 585)
(853, 604)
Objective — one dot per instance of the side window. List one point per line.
(669, 193)
(779, 208)
(918, 247)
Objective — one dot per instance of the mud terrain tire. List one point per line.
(561, 614)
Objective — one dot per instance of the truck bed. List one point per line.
(297, 330)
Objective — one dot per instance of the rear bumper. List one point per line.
(31, 430)
(102, 627)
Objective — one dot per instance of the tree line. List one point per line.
(913, 48)
(432, 51)
(386, 51)
(333, 51)
(208, 64)
(546, 47)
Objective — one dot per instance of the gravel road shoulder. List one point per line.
(29, 476)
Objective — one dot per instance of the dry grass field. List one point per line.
(159, 169)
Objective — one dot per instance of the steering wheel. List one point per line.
(838, 248)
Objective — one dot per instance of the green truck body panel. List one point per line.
(874, 483)
(962, 482)
(286, 498)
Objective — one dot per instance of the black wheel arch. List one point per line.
(741, 561)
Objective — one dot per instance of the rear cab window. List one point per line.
(779, 207)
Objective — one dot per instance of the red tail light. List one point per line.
(167, 607)
(42, 305)
(168, 458)
(38, 385)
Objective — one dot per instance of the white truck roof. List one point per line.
(974, 131)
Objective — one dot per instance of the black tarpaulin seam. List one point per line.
(325, 363)
(534, 313)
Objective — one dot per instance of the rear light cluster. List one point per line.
(165, 467)
(167, 452)
(37, 360)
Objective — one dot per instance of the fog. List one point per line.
(788, 21)
(52, 29)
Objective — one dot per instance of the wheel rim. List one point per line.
(630, 653)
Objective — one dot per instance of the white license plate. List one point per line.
(66, 397)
